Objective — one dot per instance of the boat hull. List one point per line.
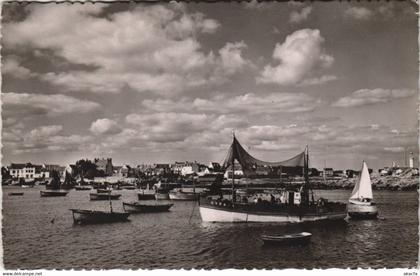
(357, 211)
(144, 208)
(183, 196)
(104, 196)
(16, 194)
(53, 193)
(82, 188)
(93, 217)
(217, 212)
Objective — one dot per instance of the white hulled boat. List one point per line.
(299, 206)
(361, 203)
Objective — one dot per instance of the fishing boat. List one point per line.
(16, 194)
(136, 207)
(361, 203)
(53, 189)
(297, 238)
(179, 194)
(295, 206)
(81, 216)
(104, 196)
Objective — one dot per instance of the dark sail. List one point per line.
(250, 163)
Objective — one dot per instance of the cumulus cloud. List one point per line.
(372, 96)
(153, 48)
(104, 126)
(12, 67)
(359, 13)
(25, 104)
(317, 81)
(297, 57)
(249, 103)
(298, 17)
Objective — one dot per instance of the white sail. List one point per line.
(363, 188)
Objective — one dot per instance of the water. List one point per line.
(39, 233)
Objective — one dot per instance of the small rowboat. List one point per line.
(103, 191)
(52, 193)
(104, 196)
(298, 238)
(91, 216)
(136, 207)
(15, 193)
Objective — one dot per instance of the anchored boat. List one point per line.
(292, 206)
(361, 203)
(136, 207)
(81, 216)
(298, 238)
(53, 188)
(179, 194)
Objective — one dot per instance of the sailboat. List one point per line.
(361, 203)
(53, 188)
(294, 206)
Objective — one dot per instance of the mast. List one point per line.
(233, 169)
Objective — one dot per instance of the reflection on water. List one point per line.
(39, 233)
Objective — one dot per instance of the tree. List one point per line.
(87, 168)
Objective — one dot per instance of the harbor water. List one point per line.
(38, 233)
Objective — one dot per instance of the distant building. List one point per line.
(28, 171)
(328, 172)
(190, 168)
(104, 165)
(124, 171)
(215, 167)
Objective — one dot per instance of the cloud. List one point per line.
(104, 126)
(45, 131)
(317, 81)
(231, 57)
(299, 17)
(394, 149)
(372, 96)
(151, 48)
(249, 103)
(12, 67)
(297, 57)
(26, 105)
(359, 13)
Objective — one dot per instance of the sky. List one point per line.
(164, 82)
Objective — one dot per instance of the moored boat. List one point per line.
(297, 238)
(91, 216)
(104, 196)
(52, 193)
(16, 194)
(293, 206)
(361, 205)
(53, 189)
(136, 207)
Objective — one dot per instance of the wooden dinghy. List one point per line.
(136, 207)
(297, 238)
